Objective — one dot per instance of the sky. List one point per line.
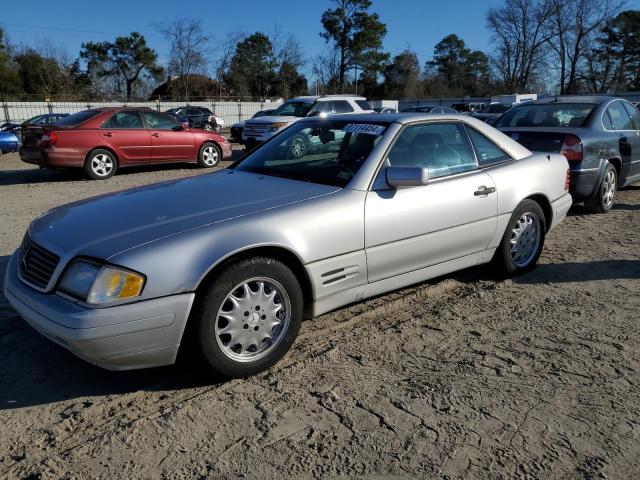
(417, 24)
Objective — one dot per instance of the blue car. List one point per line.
(9, 142)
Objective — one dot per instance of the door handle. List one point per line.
(483, 190)
(155, 134)
(108, 134)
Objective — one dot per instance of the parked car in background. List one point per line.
(199, 117)
(230, 263)
(433, 109)
(600, 136)
(236, 128)
(491, 112)
(45, 119)
(9, 142)
(257, 131)
(183, 121)
(10, 127)
(103, 140)
(385, 110)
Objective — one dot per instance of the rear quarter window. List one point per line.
(78, 118)
(363, 104)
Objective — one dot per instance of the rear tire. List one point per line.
(239, 332)
(100, 164)
(209, 155)
(522, 241)
(604, 197)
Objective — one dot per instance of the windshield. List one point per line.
(547, 115)
(293, 109)
(498, 108)
(78, 118)
(323, 152)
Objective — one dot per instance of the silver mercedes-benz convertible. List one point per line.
(328, 212)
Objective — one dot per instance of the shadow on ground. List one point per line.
(44, 175)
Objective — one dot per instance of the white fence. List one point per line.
(231, 111)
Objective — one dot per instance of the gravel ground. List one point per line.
(467, 376)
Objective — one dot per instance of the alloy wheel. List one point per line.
(609, 188)
(253, 319)
(525, 239)
(210, 156)
(102, 164)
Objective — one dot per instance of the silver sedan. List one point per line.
(232, 261)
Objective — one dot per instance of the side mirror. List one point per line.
(178, 128)
(407, 176)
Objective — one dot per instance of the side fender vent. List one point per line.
(339, 274)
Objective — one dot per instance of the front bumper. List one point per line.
(123, 337)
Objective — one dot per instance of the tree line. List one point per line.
(555, 46)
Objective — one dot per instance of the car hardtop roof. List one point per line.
(596, 99)
(401, 118)
(313, 98)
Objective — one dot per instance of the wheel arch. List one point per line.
(108, 149)
(542, 200)
(617, 164)
(283, 254)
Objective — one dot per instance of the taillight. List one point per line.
(567, 180)
(572, 148)
(48, 138)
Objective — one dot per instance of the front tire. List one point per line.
(523, 240)
(100, 164)
(250, 317)
(209, 127)
(209, 155)
(604, 197)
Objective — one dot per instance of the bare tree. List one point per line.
(326, 70)
(573, 24)
(188, 51)
(225, 50)
(521, 31)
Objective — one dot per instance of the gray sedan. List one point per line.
(600, 136)
(231, 262)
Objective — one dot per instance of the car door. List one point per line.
(169, 140)
(634, 141)
(125, 133)
(453, 216)
(629, 141)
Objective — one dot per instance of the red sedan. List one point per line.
(103, 140)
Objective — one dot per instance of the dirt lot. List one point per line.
(466, 376)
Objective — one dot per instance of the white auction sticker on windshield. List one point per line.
(366, 128)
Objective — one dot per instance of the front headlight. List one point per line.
(96, 284)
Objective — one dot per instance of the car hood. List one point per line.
(239, 124)
(103, 226)
(273, 119)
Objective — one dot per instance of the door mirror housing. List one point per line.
(406, 176)
(178, 128)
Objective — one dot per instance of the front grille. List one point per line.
(256, 128)
(36, 263)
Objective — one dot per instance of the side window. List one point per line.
(320, 107)
(157, 121)
(619, 116)
(634, 114)
(488, 153)
(123, 120)
(442, 148)
(606, 121)
(342, 106)
(192, 112)
(363, 104)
